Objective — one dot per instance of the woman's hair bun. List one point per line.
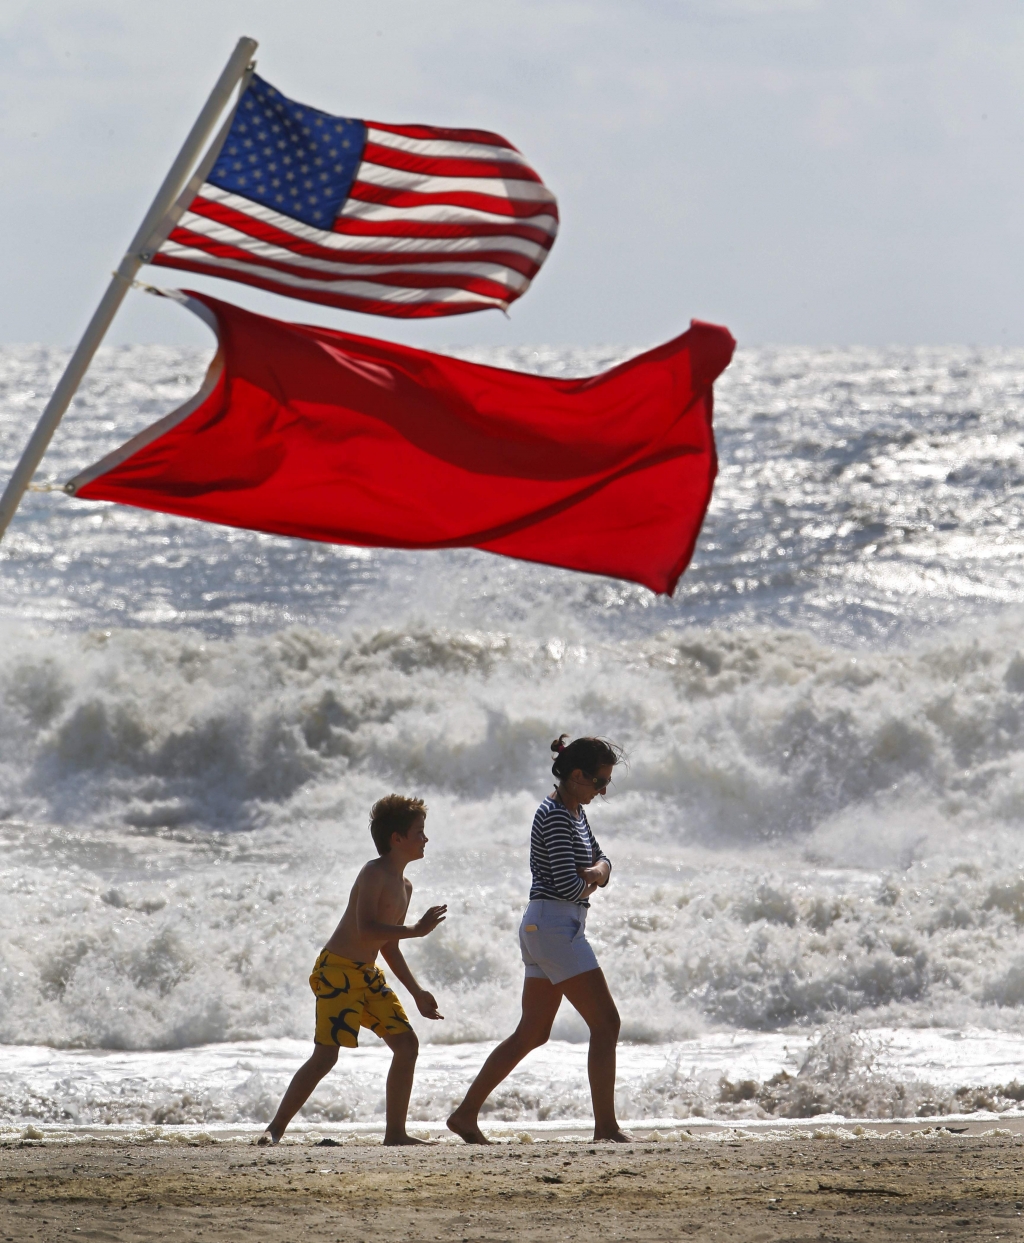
(586, 754)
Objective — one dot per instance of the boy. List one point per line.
(350, 988)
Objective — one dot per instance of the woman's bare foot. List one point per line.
(466, 1129)
(615, 1137)
(398, 1141)
(267, 1139)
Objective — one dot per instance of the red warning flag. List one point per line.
(304, 431)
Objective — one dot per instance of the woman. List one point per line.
(568, 866)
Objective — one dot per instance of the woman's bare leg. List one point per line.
(300, 1090)
(541, 1000)
(589, 994)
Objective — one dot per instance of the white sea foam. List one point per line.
(885, 1073)
(822, 813)
(799, 831)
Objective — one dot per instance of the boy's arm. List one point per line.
(395, 959)
(368, 905)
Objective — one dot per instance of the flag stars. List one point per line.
(293, 158)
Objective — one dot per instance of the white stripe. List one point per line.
(369, 245)
(379, 212)
(439, 213)
(443, 149)
(402, 179)
(352, 289)
(223, 233)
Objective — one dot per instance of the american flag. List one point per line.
(403, 220)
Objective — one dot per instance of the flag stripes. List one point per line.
(436, 221)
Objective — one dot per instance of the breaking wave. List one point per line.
(802, 830)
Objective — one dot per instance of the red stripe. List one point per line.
(265, 232)
(520, 208)
(481, 285)
(436, 166)
(421, 228)
(436, 132)
(369, 306)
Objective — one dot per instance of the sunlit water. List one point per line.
(819, 833)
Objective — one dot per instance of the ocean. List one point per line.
(818, 886)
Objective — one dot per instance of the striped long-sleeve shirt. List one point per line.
(559, 844)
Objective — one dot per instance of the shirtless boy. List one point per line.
(350, 988)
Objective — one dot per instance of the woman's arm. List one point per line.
(599, 872)
(597, 875)
(558, 838)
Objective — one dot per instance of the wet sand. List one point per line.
(794, 1187)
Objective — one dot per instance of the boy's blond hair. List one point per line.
(393, 814)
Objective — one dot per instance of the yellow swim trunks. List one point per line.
(350, 995)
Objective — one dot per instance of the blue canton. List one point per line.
(295, 159)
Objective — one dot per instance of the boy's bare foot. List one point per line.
(615, 1137)
(403, 1140)
(267, 1139)
(466, 1130)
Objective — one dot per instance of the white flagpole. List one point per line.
(139, 252)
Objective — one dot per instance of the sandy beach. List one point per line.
(811, 1184)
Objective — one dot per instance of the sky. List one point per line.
(829, 172)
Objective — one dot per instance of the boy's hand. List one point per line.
(426, 1005)
(428, 922)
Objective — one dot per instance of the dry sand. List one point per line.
(797, 1186)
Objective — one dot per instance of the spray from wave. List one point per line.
(801, 830)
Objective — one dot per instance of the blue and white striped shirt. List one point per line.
(559, 844)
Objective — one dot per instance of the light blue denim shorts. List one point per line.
(553, 940)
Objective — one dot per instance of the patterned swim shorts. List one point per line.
(350, 995)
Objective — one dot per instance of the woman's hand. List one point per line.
(597, 874)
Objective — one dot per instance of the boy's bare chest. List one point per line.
(394, 902)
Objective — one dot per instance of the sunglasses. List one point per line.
(600, 783)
